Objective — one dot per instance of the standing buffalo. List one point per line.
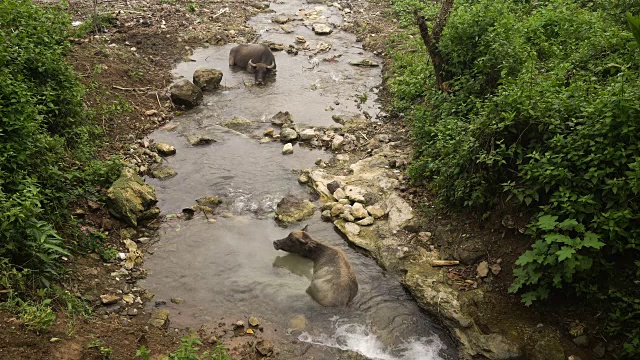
(254, 57)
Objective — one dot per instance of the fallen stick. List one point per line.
(444, 262)
(131, 89)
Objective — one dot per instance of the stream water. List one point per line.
(228, 268)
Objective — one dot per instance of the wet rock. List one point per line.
(323, 47)
(269, 132)
(298, 322)
(128, 298)
(292, 209)
(286, 29)
(291, 49)
(287, 135)
(366, 221)
(253, 321)
(280, 19)
(130, 199)
(209, 201)
(482, 269)
(109, 299)
(355, 193)
(165, 149)
(364, 62)
(321, 29)
(339, 194)
(282, 118)
(162, 171)
(376, 211)
(333, 186)
(185, 93)
(132, 311)
(300, 39)
(358, 211)
(177, 300)
(307, 134)
(303, 178)
(207, 79)
(264, 347)
(582, 341)
(237, 123)
(195, 139)
(159, 318)
(337, 142)
(326, 215)
(287, 149)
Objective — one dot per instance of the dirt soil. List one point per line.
(126, 68)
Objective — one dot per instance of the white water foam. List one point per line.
(358, 338)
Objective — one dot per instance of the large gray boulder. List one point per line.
(185, 93)
(207, 79)
(131, 199)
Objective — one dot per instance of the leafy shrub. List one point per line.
(47, 141)
(543, 111)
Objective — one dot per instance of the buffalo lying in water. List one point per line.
(334, 282)
(253, 57)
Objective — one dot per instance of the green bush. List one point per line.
(543, 111)
(47, 142)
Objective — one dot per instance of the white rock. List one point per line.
(339, 194)
(352, 228)
(337, 142)
(287, 149)
(322, 29)
(358, 211)
(366, 221)
(307, 134)
(355, 193)
(483, 269)
(376, 211)
(337, 209)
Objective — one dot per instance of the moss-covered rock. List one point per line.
(131, 199)
(292, 209)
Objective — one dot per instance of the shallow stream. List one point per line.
(227, 268)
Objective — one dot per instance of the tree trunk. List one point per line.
(432, 40)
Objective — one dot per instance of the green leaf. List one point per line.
(528, 257)
(568, 224)
(592, 240)
(558, 238)
(547, 222)
(565, 253)
(634, 24)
